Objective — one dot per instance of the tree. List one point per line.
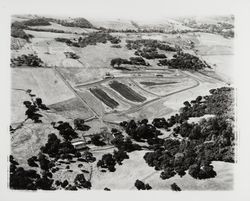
(79, 124)
(108, 162)
(167, 173)
(141, 186)
(175, 187)
(81, 182)
(97, 141)
(120, 155)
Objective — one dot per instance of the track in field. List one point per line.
(103, 96)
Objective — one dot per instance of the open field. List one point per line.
(213, 44)
(82, 75)
(223, 180)
(44, 83)
(162, 86)
(72, 108)
(126, 92)
(27, 141)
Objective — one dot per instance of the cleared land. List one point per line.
(44, 83)
(126, 92)
(72, 108)
(100, 94)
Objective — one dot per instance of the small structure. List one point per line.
(108, 76)
(159, 75)
(79, 144)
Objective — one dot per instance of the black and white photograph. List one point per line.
(115, 102)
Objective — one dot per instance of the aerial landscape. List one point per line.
(119, 104)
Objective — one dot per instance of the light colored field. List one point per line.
(223, 180)
(118, 24)
(101, 54)
(132, 169)
(163, 24)
(224, 66)
(27, 141)
(17, 43)
(51, 35)
(44, 83)
(83, 75)
(92, 101)
(214, 44)
(72, 109)
(176, 102)
(141, 171)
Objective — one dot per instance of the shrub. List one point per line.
(141, 186)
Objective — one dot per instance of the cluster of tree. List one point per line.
(75, 22)
(18, 32)
(71, 55)
(183, 60)
(46, 30)
(27, 60)
(116, 46)
(219, 103)
(97, 37)
(109, 161)
(33, 107)
(31, 112)
(176, 157)
(22, 179)
(79, 124)
(17, 28)
(141, 185)
(141, 130)
(175, 187)
(221, 28)
(66, 130)
(148, 43)
(29, 179)
(125, 144)
(97, 140)
(131, 61)
(57, 149)
(201, 143)
(91, 39)
(80, 182)
(36, 22)
(150, 53)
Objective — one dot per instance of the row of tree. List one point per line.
(184, 61)
(27, 60)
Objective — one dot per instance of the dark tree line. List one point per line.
(90, 39)
(132, 61)
(27, 60)
(184, 61)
